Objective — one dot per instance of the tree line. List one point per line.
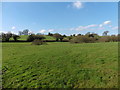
(79, 38)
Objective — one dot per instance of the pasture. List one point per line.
(24, 37)
(60, 65)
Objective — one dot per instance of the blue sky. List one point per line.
(60, 17)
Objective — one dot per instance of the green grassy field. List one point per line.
(24, 37)
(60, 65)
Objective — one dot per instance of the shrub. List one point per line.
(108, 39)
(38, 42)
(69, 37)
(105, 39)
(82, 39)
(118, 37)
(114, 38)
(33, 37)
(30, 38)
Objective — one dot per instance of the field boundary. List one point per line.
(30, 41)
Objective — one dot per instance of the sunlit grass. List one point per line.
(60, 65)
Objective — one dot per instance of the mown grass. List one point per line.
(60, 65)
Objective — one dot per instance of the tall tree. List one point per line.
(25, 32)
(7, 36)
(105, 33)
(50, 34)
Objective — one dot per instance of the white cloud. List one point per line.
(85, 27)
(77, 4)
(107, 22)
(42, 31)
(50, 30)
(13, 32)
(13, 27)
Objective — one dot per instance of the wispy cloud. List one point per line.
(104, 25)
(50, 30)
(90, 26)
(80, 28)
(115, 28)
